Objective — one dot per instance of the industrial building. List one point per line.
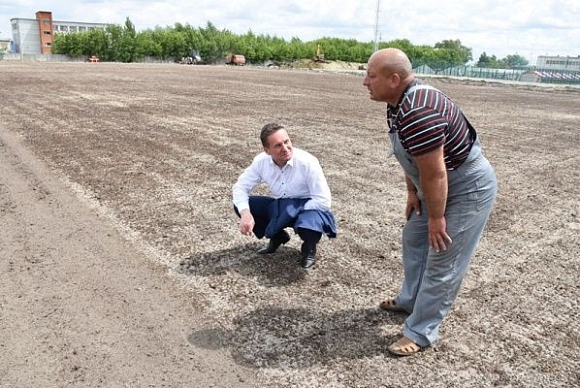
(558, 63)
(35, 36)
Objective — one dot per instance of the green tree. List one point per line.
(114, 46)
(193, 38)
(438, 59)
(489, 61)
(127, 43)
(464, 53)
(68, 44)
(95, 43)
(124, 43)
(515, 60)
(402, 44)
(209, 48)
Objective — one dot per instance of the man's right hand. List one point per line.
(246, 223)
(413, 204)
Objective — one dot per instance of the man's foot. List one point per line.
(309, 261)
(280, 238)
(404, 347)
(308, 254)
(391, 305)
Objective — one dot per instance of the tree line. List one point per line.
(118, 43)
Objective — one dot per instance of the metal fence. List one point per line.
(553, 76)
(529, 74)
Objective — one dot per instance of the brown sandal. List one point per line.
(404, 347)
(390, 305)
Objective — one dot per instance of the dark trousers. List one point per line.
(271, 218)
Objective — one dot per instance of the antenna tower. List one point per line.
(375, 43)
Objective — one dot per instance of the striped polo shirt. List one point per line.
(426, 119)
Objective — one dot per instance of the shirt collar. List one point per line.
(411, 84)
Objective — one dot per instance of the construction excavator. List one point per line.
(319, 57)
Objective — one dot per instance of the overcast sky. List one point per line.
(499, 28)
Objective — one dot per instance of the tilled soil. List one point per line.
(144, 157)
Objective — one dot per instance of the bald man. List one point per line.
(451, 188)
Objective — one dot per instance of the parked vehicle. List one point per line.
(193, 59)
(319, 57)
(190, 60)
(235, 59)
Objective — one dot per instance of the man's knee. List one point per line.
(309, 235)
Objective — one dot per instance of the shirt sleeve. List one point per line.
(423, 131)
(320, 197)
(249, 179)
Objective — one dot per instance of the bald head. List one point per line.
(392, 60)
(389, 71)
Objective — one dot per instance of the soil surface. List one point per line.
(121, 263)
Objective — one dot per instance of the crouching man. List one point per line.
(300, 196)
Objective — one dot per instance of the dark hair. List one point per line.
(267, 130)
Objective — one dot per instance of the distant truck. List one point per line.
(235, 59)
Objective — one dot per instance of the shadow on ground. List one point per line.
(301, 338)
(274, 270)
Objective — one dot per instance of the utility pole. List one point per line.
(375, 43)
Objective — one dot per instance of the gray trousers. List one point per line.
(432, 280)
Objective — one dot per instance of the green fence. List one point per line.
(530, 74)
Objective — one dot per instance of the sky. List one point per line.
(499, 28)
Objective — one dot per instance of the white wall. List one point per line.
(559, 63)
(26, 36)
(42, 58)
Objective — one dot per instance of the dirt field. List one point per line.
(121, 264)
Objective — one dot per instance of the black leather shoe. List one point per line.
(308, 261)
(308, 254)
(281, 238)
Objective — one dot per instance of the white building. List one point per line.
(35, 36)
(558, 63)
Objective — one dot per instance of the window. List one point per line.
(82, 28)
(46, 32)
(73, 28)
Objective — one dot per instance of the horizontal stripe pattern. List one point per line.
(425, 120)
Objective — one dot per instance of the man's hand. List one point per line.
(413, 204)
(246, 223)
(438, 237)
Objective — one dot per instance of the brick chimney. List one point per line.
(46, 33)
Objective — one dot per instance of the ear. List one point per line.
(396, 79)
(266, 150)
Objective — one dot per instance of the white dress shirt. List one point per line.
(301, 177)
